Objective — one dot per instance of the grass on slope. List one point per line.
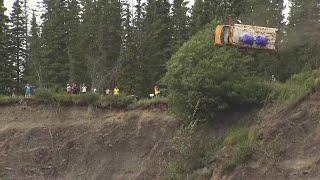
(240, 143)
(195, 150)
(296, 87)
(192, 151)
(8, 100)
(48, 97)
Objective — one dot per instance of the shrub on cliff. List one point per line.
(204, 79)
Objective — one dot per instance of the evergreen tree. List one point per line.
(127, 73)
(35, 66)
(157, 46)
(55, 41)
(130, 76)
(109, 42)
(18, 39)
(198, 19)
(263, 12)
(78, 66)
(6, 68)
(89, 39)
(25, 13)
(180, 23)
(127, 27)
(300, 49)
(304, 20)
(205, 11)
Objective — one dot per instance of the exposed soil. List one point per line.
(41, 142)
(289, 146)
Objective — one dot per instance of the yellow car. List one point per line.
(246, 36)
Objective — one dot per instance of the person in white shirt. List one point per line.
(69, 89)
(108, 91)
(84, 89)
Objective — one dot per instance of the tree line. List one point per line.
(106, 43)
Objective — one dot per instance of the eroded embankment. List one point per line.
(40, 142)
(288, 146)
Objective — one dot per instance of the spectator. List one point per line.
(107, 91)
(13, 93)
(69, 89)
(273, 79)
(29, 91)
(116, 91)
(84, 89)
(157, 91)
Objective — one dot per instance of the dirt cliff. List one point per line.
(289, 144)
(41, 142)
(44, 142)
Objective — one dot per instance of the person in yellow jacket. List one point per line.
(157, 91)
(116, 91)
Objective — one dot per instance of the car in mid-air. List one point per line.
(246, 36)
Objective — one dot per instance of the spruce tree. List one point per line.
(263, 12)
(6, 68)
(109, 42)
(304, 19)
(300, 50)
(89, 39)
(129, 73)
(18, 39)
(157, 46)
(198, 19)
(55, 41)
(78, 66)
(180, 23)
(35, 66)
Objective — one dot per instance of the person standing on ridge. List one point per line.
(84, 89)
(157, 91)
(94, 90)
(116, 91)
(107, 91)
(74, 88)
(69, 89)
(28, 91)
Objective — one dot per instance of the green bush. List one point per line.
(297, 86)
(64, 99)
(86, 99)
(44, 96)
(8, 100)
(204, 79)
(150, 103)
(114, 102)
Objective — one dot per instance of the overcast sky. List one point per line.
(32, 4)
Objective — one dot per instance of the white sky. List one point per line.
(32, 5)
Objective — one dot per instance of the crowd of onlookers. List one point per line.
(83, 89)
(74, 89)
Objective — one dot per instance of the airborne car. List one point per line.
(246, 36)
